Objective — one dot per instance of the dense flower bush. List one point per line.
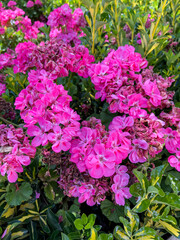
(90, 120)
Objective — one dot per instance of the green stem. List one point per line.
(69, 80)
(8, 122)
(158, 20)
(94, 28)
(132, 36)
(116, 22)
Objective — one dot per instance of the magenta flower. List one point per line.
(2, 30)
(11, 3)
(38, 2)
(60, 141)
(175, 161)
(101, 162)
(30, 4)
(120, 189)
(138, 152)
(40, 133)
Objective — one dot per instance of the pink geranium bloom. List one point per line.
(38, 2)
(121, 122)
(152, 90)
(138, 152)
(171, 142)
(101, 163)
(11, 3)
(30, 4)
(41, 134)
(120, 149)
(121, 192)
(173, 161)
(2, 88)
(2, 30)
(87, 193)
(60, 141)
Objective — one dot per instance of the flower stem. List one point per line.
(8, 122)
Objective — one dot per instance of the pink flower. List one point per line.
(41, 134)
(101, 162)
(138, 152)
(86, 194)
(38, 2)
(2, 88)
(120, 145)
(2, 30)
(121, 122)
(121, 192)
(60, 141)
(172, 140)
(175, 161)
(30, 4)
(11, 3)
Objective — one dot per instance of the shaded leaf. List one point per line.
(112, 211)
(15, 197)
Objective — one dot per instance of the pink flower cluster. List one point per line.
(30, 30)
(15, 151)
(98, 151)
(172, 118)
(7, 59)
(45, 108)
(14, 17)
(146, 135)
(149, 21)
(94, 191)
(31, 4)
(172, 144)
(2, 84)
(115, 80)
(56, 57)
(65, 25)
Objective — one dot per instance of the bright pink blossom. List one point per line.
(30, 4)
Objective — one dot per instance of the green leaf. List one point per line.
(170, 199)
(64, 236)
(74, 236)
(55, 235)
(78, 224)
(15, 197)
(156, 174)
(112, 211)
(33, 231)
(120, 234)
(99, 24)
(91, 221)
(134, 219)
(142, 179)
(72, 89)
(126, 225)
(93, 234)
(49, 192)
(104, 236)
(146, 232)
(53, 220)
(142, 206)
(19, 234)
(157, 190)
(173, 230)
(44, 225)
(169, 219)
(136, 190)
(84, 219)
(175, 184)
